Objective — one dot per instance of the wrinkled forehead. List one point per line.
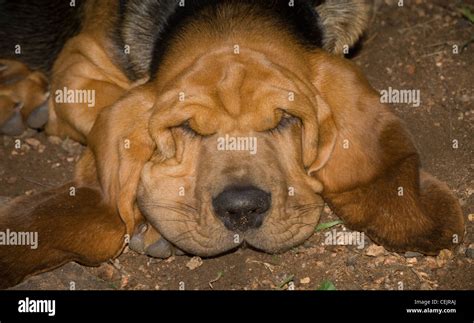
(227, 91)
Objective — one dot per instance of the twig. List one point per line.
(219, 275)
(434, 53)
(418, 25)
(37, 183)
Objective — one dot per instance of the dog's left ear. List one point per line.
(370, 169)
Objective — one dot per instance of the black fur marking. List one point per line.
(150, 26)
(40, 27)
(301, 20)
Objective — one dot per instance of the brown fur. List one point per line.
(139, 155)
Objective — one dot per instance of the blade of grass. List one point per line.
(327, 225)
(327, 285)
(467, 13)
(286, 281)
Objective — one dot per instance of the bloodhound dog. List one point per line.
(208, 124)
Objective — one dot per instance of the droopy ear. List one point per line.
(372, 176)
(121, 145)
(86, 220)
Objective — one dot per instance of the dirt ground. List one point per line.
(409, 47)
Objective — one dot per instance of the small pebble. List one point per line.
(445, 254)
(33, 142)
(55, 140)
(412, 254)
(411, 261)
(107, 272)
(470, 251)
(194, 263)
(375, 251)
(411, 69)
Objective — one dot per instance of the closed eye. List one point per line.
(285, 122)
(186, 127)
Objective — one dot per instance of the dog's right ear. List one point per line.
(370, 168)
(343, 23)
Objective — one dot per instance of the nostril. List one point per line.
(242, 208)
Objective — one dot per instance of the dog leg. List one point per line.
(63, 225)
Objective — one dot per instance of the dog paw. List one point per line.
(23, 98)
(11, 123)
(146, 240)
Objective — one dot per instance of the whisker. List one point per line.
(177, 220)
(173, 208)
(300, 206)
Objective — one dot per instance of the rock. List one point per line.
(33, 142)
(390, 260)
(107, 272)
(445, 254)
(443, 257)
(55, 140)
(124, 281)
(471, 217)
(411, 69)
(194, 263)
(71, 146)
(470, 251)
(305, 280)
(55, 165)
(411, 261)
(375, 251)
(412, 254)
(41, 148)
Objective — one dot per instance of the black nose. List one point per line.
(242, 208)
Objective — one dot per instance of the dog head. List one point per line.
(230, 164)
